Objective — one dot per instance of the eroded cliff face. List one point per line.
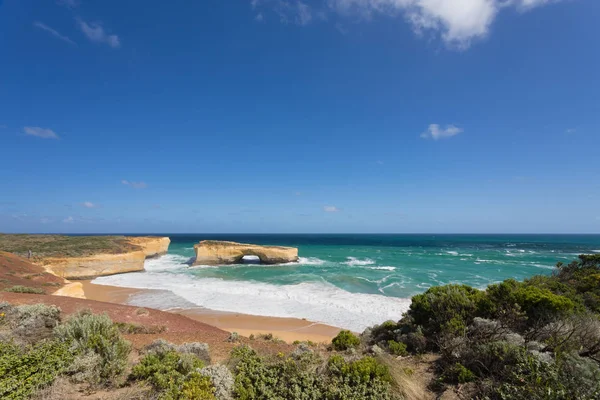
(152, 246)
(108, 264)
(211, 252)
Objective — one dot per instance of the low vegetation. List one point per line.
(63, 246)
(24, 289)
(537, 340)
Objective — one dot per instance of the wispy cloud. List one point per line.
(95, 32)
(43, 133)
(259, 17)
(89, 204)
(68, 3)
(331, 209)
(135, 185)
(45, 220)
(435, 132)
(571, 131)
(68, 220)
(53, 32)
(3, 126)
(456, 22)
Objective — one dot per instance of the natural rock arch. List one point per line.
(212, 252)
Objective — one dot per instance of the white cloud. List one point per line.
(88, 204)
(40, 132)
(45, 220)
(435, 132)
(135, 185)
(53, 32)
(289, 11)
(304, 13)
(68, 3)
(331, 209)
(68, 220)
(95, 32)
(457, 22)
(571, 130)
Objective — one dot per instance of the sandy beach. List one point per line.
(288, 329)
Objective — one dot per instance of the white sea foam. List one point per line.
(353, 261)
(452, 252)
(310, 261)
(168, 262)
(383, 268)
(595, 251)
(319, 302)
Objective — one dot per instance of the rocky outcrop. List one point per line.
(151, 246)
(108, 264)
(212, 252)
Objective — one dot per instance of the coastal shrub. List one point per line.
(85, 368)
(345, 340)
(397, 348)
(87, 332)
(447, 309)
(304, 376)
(32, 323)
(24, 289)
(175, 375)
(25, 370)
(458, 373)
(200, 350)
(538, 304)
(365, 378)
(221, 379)
(583, 275)
(127, 328)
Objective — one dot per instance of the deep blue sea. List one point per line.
(350, 281)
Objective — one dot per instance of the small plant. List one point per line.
(89, 332)
(345, 340)
(175, 375)
(134, 329)
(233, 337)
(458, 373)
(24, 289)
(397, 348)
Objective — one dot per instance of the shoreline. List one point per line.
(287, 329)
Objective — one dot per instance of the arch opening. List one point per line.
(250, 259)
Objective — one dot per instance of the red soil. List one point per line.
(15, 270)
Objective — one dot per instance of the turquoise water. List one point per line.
(347, 280)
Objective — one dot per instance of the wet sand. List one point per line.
(288, 329)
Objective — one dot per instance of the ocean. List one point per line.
(349, 281)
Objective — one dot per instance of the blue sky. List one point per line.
(299, 116)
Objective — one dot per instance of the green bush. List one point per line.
(397, 348)
(88, 332)
(345, 340)
(175, 375)
(458, 373)
(449, 307)
(304, 377)
(365, 378)
(24, 289)
(539, 304)
(23, 371)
